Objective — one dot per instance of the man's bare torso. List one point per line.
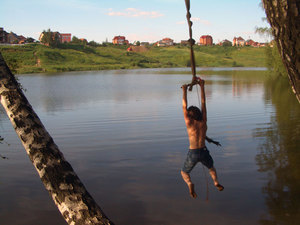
(196, 129)
(197, 132)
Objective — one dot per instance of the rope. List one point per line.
(191, 40)
(198, 96)
(206, 179)
(204, 171)
(193, 68)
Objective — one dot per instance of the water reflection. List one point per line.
(2, 114)
(279, 154)
(56, 92)
(124, 135)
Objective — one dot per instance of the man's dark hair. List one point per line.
(194, 113)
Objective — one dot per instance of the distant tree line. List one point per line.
(52, 39)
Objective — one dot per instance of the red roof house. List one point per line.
(206, 40)
(120, 40)
(65, 38)
(238, 41)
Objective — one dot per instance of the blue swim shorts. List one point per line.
(197, 155)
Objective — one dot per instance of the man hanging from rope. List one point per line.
(195, 120)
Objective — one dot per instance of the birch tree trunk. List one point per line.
(284, 17)
(67, 191)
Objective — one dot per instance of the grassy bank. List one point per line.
(37, 58)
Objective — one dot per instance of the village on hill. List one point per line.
(204, 40)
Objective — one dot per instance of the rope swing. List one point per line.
(193, 64)
(195, 80)
(191, 42)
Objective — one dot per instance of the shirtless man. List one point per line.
(195, 121)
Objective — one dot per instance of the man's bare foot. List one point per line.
(192, 191)
(220, 187)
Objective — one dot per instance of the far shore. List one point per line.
(36, 58)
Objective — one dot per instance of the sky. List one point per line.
(137, 20)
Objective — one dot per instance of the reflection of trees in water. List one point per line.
(1, 113)
(1, 138)
(279, 154)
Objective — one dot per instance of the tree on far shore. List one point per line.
(50, 38)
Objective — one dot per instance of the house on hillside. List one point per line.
(165, 42)
(160, 44)
(120, 40)
(168, 41)
(65, 38)
(3, 35)
(252, 43)
(238, 41)
(12, 38)
(206, 40)
(21, 39)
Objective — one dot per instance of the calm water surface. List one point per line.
(124, 134)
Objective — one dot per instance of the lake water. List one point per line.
(124, 134)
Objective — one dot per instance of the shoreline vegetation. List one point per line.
(37, 58)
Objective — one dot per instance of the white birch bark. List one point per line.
(67, 191)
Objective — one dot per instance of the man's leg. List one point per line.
(213, 174)
(187, 179)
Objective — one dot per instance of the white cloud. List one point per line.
(133, 12)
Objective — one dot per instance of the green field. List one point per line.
(36, 58)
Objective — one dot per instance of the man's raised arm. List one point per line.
(184, 101)
(203, 100)
(184, 97)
